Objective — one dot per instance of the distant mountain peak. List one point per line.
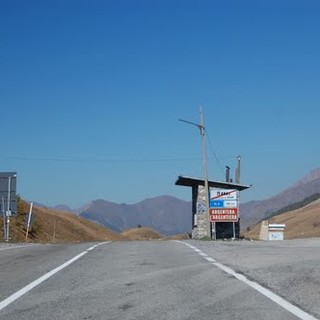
(63, 207)
(311, 176)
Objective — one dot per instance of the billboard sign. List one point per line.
(8, 199)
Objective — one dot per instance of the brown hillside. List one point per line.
(142, 234)
(300, 223)
(56, 226)
(184, 236)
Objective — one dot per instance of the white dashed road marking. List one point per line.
(267, 293)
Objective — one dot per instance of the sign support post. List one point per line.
(8, 212)
(4, 220)
(8, 183)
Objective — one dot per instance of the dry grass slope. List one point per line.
(142, 234)
(56, 226)
(184, 236)
(300, 223)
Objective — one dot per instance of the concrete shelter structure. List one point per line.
(200, 212)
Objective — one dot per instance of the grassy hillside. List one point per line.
(56, 226)
(142, 234)
(300, 223)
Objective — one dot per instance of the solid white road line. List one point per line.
(35, 283)
(267, 293)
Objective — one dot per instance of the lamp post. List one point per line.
(204, 156)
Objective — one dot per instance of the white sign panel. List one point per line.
(223, 194)
(275, 235)
(230, 204)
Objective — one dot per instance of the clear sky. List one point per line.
(91, 93)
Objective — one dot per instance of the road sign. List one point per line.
(216, 203)
(8, 213)
(223, 194)
(223, 204)
(230, 204)
(223, 215)
(8, 184)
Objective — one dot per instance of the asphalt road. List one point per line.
(161, 280)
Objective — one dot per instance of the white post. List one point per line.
(29, 220)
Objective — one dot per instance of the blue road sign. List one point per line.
(216, 203)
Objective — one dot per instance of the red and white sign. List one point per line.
(223, 194)
(223, 215)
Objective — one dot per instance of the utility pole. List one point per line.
(206, 183)
(204, 156)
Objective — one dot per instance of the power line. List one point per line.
(107, 160)
(215, 155)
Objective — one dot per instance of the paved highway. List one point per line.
(161, 280)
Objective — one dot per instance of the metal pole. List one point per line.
(238, 200)
(233, 223)
(238, 170)
(8, 210)
(4, 220)
(234, 231)
(206, 183)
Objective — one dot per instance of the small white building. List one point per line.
(271, 231)
(276, 231)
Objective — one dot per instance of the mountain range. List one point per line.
(169, 215)
(254, 211)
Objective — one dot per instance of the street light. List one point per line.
(204, 155)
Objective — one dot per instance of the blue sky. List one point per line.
(91, 93)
